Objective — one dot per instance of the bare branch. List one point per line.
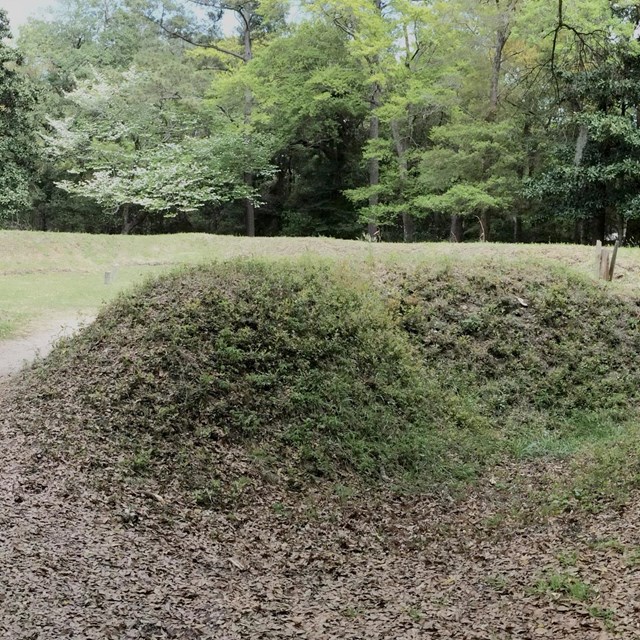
(184, 38)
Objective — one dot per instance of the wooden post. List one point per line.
(598, 262)
(614, 257)
(604, 264)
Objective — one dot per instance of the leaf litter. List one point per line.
(89, 549)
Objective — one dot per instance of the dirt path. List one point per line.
(15, 353)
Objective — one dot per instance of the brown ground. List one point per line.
(145, 563)
(84, 560)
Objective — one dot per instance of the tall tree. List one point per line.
(371, 31)
(469, 171)
(18, 148)
(593, 170)
(311, 97)
(136, 155)
(255, 19)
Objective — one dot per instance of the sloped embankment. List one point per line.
(252, 370)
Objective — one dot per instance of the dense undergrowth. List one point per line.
(242, 372)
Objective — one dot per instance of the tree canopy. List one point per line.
(406, 119)
(18, 148)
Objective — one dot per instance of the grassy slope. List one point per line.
(41, 274)
(417, 373)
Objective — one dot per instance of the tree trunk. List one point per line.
(374, 135)
(374, 162)
(524, 175)
(517, 228)
(130, 221)
(496, 67)
(408, 223)
(622, 230)
(408, 227)
(600, 225)
(485, 227)
(249, 178)
(249, 208)
(126, 222)
(502, 35)
(456, 228)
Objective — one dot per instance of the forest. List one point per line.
(394, 120)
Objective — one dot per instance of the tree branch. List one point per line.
(210, 45)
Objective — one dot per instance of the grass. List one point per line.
(28, 299)
(63, 273)
(397, 374)
(309, 385)
(565, 584)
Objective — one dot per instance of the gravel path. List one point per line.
(15, 353)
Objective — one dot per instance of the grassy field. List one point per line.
(45, 274)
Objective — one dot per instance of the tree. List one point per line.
(593, 168)
(256, 19)
(78, 40)
(310, 96)
(18, 148)
(371, 34)
(471, 171)
(136, 155)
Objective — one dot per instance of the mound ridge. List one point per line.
(223, 377)
(296, 364)
(540, 353)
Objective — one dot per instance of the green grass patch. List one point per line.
(565, 584)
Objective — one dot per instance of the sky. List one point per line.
(20, 10)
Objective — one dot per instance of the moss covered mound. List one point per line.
(536, 358)
(296, 370)
(300, 364)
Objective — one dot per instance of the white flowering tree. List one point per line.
(135, 148)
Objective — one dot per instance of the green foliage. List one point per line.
(18, 148)
(310, 98)
(397, 113)
(460, 199)
(427, 377)
(524, 379)
(472, 169)
(594, 171)
(302, 359)
(146, 157)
